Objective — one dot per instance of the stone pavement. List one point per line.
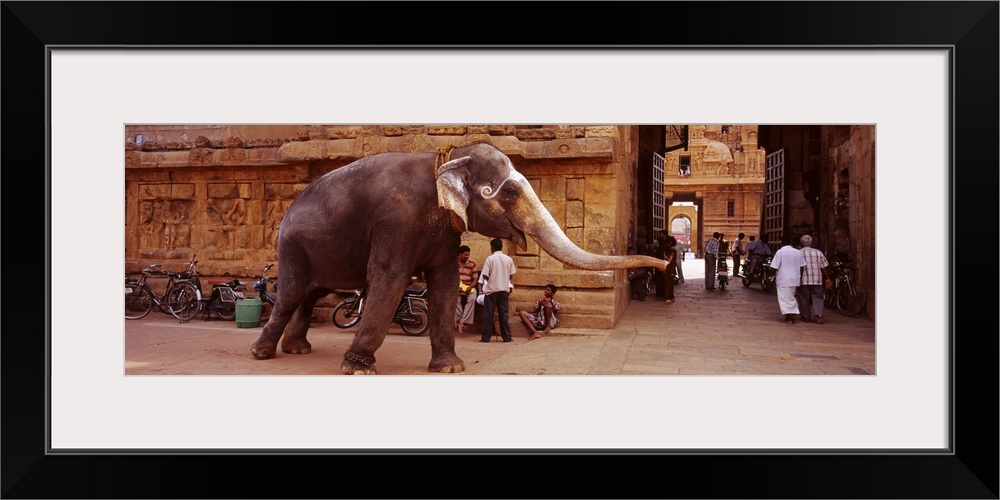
(737, 331)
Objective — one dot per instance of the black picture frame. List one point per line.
(970, 28)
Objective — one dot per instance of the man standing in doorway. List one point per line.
(711, 256)
(737, 252)
(497, 271)
(681, 252)
(789, 263)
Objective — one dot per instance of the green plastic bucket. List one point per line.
(248, 312)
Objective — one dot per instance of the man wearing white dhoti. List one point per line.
(788, 261)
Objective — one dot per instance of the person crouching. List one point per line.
(545, 315)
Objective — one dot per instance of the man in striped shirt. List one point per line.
(466, 307)
(814, 280)
(711, 257)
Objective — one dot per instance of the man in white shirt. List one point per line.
(788, 261)
(497, 271)
(738, 252)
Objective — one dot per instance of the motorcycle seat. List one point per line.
(221, 281)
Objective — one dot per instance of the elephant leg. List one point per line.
(267, 342)
(294, 340)
(293, 292)
(441, 304)
(380, 307)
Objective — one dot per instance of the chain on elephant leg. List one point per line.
(358, 364)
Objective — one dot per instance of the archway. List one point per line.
(689, 210)
(680, 228)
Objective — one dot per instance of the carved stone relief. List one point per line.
(165, 224)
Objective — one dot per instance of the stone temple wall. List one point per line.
(726, 166)
(849, 187)
(221, 191)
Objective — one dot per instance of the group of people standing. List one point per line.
(717, 250)
(492, 290)
(801, 278)
(801, 275)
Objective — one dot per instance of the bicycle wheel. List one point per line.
(851, 300)
(182, 300)
(345, 315)
(225, 310)
(138, 303)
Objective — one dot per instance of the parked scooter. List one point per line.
(411, 313)
(261, 287)
(763, 273)
(221, 302)
(723, 273)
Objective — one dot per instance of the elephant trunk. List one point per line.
(547, 233)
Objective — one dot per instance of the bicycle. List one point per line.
(844, 294)
(181, 298)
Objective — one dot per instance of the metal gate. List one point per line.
(774, 198)
(659, 211)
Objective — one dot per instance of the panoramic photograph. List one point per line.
(674, 249)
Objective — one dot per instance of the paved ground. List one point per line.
(733, 332)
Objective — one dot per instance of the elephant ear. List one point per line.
(452, 188)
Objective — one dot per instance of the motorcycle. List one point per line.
(411, 313)
(844, 294)
(723, 274)
(763, 273)
(222, 301)
(641, 281)
(260, 286)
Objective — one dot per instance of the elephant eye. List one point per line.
(510, 190)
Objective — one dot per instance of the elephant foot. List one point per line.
(354, 368)
(297, 346)
(449, 363)
(262, 350)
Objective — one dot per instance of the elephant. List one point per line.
(383, 218)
